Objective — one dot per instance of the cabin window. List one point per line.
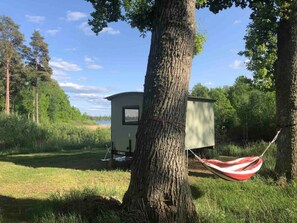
(131, 115)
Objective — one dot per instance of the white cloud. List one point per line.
(58, 72)
(110, 30)
(91, 97)
(237, 21)
(90, 62)
(86, 29)
(83, 90)
(52, 32)
(75, 16)
(88, 59)
(98, 101)
(238, 64)
(35, 19)
(64, 65)
(208, 84)
(60, 75)
(94, 66)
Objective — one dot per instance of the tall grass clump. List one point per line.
(17, 131)
(20, 135)
(84, 206)
(256, 200)
(1, 217)
(66, 136)
(50, 217)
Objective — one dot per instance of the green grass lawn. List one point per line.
(34, 186)
(27, 181)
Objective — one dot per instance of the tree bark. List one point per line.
(286, 96)
(7, 97)
(159, 190)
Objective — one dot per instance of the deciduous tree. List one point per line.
(286, 90)
(159, 190)
(261, 45)
(200, 90)
(285, 74)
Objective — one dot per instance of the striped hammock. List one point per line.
(236, 170)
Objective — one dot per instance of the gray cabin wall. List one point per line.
(121, 134)
(199, 121)
(200, 124)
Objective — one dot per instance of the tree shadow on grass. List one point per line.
(196, 169)
(201, 174)
(79, 160)
(18, 210)
(91, 208)
(196, 192)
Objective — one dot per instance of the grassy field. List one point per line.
(64, 187)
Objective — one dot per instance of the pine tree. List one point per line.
(11, 46)
(39, 61)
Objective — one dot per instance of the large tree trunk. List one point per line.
(7, 97)
(159, 190)
(286, 96)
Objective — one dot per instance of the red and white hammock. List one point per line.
(236, 170)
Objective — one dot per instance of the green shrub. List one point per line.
(229, 150)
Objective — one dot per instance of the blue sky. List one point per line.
(90, 67)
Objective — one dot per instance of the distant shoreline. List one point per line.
(104, 122)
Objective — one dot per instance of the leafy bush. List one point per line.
(229, 150)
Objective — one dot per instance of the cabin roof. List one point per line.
(190, 98)
(111, 97)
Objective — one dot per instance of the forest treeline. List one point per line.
(243, 112)
(35, 113)
(26, 85)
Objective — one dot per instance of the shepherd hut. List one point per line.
(126, 109)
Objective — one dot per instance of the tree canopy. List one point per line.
(261, 44)
(243, 112)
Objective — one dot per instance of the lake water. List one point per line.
(104, 122)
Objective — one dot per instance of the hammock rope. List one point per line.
(236, 170)
(273, 141)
